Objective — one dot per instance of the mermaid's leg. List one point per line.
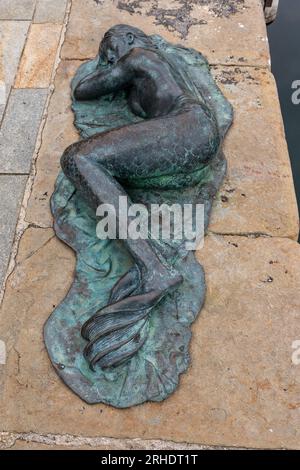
(117, 327)
(150, 148)
(98, 186)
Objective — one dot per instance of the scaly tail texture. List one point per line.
(119, 330)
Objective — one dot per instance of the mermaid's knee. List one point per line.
(69, 162)
(204, 135)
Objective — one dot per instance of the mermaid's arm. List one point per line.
(102, 82)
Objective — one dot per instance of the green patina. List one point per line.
(153, 372)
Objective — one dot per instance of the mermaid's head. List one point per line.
(119, 39)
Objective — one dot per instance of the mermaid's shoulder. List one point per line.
(189, 55)
(194, 70)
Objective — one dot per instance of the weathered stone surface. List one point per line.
(66, 442)
(258, 195)
(226, 32)
(25, 445)
(16, 9)
(50, 11)
(255, 149)
(38, 57)
(2, 82)
(2, 352)
(242, 388)
(13, 36)
(59, 124)
(11, 191)
(19, 130)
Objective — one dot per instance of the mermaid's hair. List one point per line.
(155, 43)
(121, 30)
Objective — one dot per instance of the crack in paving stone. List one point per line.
(2, 352)
(38, 249)
(243, 234)
(18, 359)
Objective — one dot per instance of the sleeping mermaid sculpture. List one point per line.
(153, 122)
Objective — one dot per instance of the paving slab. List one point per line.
(19, 130)
(2, 81)
(50, 11)
(11, 192)
(13, 37)
(232, 32)
(58, 133)
(256, 151)
(17, 9)
(2, 105)
(258, 195)
(38, 58)
(242, 388)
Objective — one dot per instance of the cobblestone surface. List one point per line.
(13, 37)
(38, 57)
(11, 192)
(20, 128)
(17, 9)
(50, 11)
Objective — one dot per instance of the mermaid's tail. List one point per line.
(119, 330)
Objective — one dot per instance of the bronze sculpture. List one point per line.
(169, 140)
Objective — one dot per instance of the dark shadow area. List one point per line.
(284, 38)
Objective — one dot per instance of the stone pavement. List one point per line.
(243, 387)
(30, 32)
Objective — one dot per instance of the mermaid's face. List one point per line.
(115, 47)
